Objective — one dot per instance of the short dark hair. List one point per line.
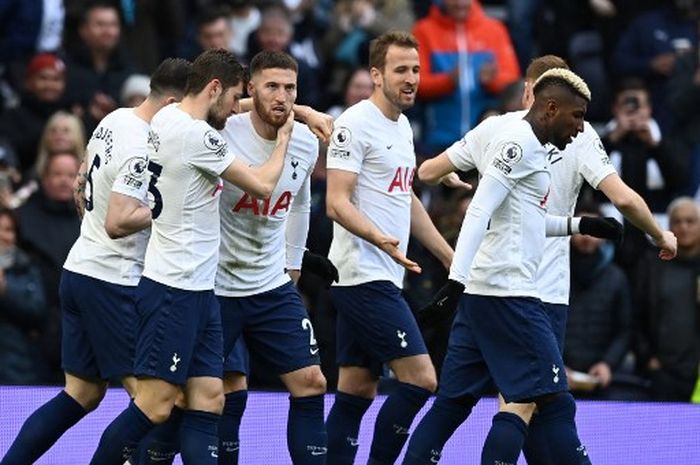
(379, 46)
(92, 5)
(630, 84)
(211, 15)
(170, 77)
(268, 59)
(214, 64)
(538, 66)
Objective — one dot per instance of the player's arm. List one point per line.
(635, 209)
(339, 208)
(261, 181)
(602, 227)
(488, 197)
(297, 230)
(125, 215)
(441, 170)
(321, 124)
(423, 229)
(127, 211)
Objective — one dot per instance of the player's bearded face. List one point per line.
(274, 93)
(225, 106)
(400, 77)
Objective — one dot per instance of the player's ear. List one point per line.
(376, 76)
(215, 88)
(251, 87)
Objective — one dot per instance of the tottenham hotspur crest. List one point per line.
(294, 164)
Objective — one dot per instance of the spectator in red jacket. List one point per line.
(466, 60)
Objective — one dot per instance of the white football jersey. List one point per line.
(583, 159)
(186, 160)
(253, 254)
(510, 252)
(381, 152)
(117, 160)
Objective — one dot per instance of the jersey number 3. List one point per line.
(153, 167)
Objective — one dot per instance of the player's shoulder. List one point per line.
(516, 141)
(304, 140)
(588, 139)
(355, 115)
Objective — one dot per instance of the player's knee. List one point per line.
(524, 411)
(561, 404)
(317, 383)
(425, 379)
(88, 394)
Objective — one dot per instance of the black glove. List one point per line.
(604, 228)
(442, 306)
(320, 266)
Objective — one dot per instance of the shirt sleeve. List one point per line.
(461, 153)
(509, 163)
(297, 228)
(207, 150)
(489, 196)
(593, 161)
(132, 178)
(345, 151)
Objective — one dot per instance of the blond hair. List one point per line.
(561, 75)
(77, 130)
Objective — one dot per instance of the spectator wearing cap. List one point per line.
(51, 208)
(43, 95)
(135, 90)
(97, 66)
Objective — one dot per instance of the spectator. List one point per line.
(466, 60)
(667, 298)
(29, 26)
(64, 133)
(244, 19)
(213, 29)
(24, 310)
(275, 33)
(97, 68)
(51, 209)
(684, 100)
(599, 321)
(644, 160)
(135, 90)
(358, 86)
(650, 46)
(43, 95)
(10, 176)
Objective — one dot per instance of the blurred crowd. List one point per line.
(634, 321)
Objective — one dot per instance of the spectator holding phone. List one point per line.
(643, 158)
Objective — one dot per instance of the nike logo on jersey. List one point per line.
(388, 147)
(313, 350)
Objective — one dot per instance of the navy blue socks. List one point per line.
(43, 428)
(343, 425)
(505, 440)
(394, 421)
(162, 443)
(122, 436)
(306, 432)
(199, 441)
(229, 425)
(436, 428)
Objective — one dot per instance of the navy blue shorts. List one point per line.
(375, 325)
(275, 327)
(558, 313)
(503, 340)
(179, 333)
(99, 327)
(238, 359)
